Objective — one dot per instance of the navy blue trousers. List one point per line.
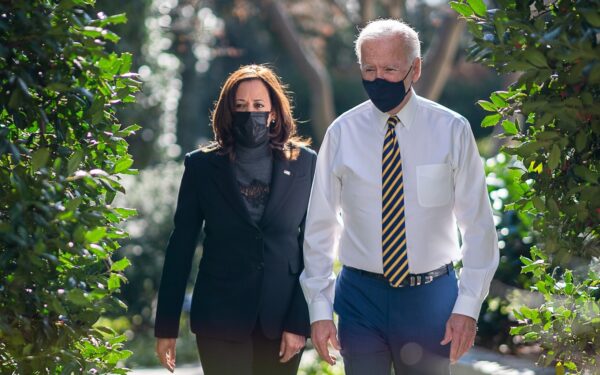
(380, 326)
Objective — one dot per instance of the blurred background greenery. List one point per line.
(184, 49)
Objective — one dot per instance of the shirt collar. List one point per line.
(406, 114)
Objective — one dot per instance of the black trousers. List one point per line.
(258, 355)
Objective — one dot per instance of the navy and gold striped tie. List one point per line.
(395, 258)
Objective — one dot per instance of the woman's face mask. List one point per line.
(250, 128)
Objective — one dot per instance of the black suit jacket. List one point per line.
(248, 272)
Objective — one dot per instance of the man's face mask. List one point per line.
(386, 95)
(250, 128)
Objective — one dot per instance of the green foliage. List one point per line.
(148, 235)
(568, 322)
(552, 116)
(61, 150)
(515, 240)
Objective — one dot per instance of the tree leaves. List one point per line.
(462, 9)
(39, 158)
(555, 134)
(509, 127)
(57, 170)
(478, 7)
(536, 58)
(490, 120)
(120, 265)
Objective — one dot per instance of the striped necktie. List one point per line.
(395, 258)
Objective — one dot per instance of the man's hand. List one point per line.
(291, 344)
(460, 330)
(322, 333)
(165, 350)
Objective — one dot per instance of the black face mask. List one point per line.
(386, 95)
(250, 128)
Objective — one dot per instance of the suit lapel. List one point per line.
(225, 180)
(282, 177)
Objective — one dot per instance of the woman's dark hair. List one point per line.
(284, 141)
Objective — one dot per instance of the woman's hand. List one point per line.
(165, 350)
(291, 344)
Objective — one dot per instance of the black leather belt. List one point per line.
(411, 279)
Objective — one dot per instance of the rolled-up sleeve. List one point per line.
(323, 227)
(475, 220)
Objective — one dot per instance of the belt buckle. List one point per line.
(412, 280)
(428, 279)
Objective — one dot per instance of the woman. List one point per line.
(250, 190)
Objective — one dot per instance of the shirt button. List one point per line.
(260, 266)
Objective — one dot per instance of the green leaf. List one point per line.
(568, 276)
(123, 165)
(111, 20)
(541, 287)
(580, 141)
(552, 206)
(554, 157)
(77, 297)
(570, 365)
(498, 100)
(515, 330)
(130, 130)
(39, 158)
(74, 162)
(595, 74)
(126, 212)
(98, 250)
(462, 9)
(509, 127)
(526, 261)
(591, 16)
(490, 107)
(478, 6)
(586, 174)
(120, 265)
(95, 235)
(569, 290)
(98, 32)
(536, 58)
(490, 120)
(114, 282)
(531, 336)
(126, 60)
(538, 203)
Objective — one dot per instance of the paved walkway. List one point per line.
(477, 362)
(161, 371)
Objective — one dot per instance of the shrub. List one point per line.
(61, 151)
(552, 115)
(515, 239)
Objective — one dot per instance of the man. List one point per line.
(395, 176)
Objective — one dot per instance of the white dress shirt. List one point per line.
(444, 185)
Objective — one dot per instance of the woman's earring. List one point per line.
(272, 124)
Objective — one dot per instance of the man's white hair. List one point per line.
(383, 28)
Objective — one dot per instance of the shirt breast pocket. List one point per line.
(434, 185)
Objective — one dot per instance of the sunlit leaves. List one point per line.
(491, 120)
(478, 7)
(61, 150)
(551, 118)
